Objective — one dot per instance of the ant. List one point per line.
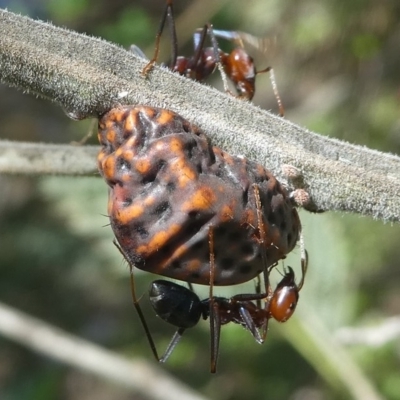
(182, 308)
(237, 65)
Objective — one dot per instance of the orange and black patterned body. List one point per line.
(168, 186)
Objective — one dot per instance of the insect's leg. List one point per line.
(262, 239)
(172, 344)
(172, 32)
(215, 321)
(263, 243)
(304, 261)
(258, 290)
(137, 305)
(274, 88)
(250, 325)
(217, 56)
(89, 133)
(199, 38)
(168, 15)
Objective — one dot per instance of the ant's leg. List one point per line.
(262, 239)
(137, 305)
(217, 57)
(215, 320)
(263, 243)
(199, 38)
(258, 290)
(250, 325)
(168, 14)
(88, 134)
(172, 32)
(247, 319)
(215, 332)
(172, 344)
(304, 261)
(274, 88)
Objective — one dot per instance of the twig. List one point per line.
(138, 375)
(88, 76)
(375, 336)
(41, 158)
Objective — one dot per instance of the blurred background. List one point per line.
(337, 66)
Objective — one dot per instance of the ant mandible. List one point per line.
(237, 65)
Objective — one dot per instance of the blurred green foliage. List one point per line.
(336, 65)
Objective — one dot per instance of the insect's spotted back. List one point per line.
(168, 186)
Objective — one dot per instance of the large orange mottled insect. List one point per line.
(168, 186)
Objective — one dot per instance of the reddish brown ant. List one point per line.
(237, 65)
(182, 308)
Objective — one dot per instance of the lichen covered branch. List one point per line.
(88, 76)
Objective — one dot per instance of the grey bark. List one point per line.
(87, 76)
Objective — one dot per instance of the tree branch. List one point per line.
(139, 375)
(41, 158)
(88, 76)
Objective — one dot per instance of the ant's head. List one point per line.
(285, 297)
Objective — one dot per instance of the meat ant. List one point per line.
(182, 308)
(238, 66)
